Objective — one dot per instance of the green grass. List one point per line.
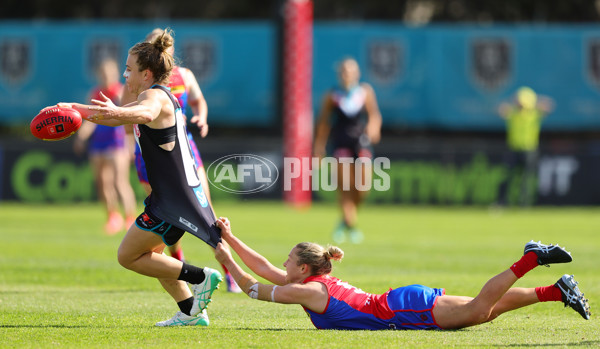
(60, 283)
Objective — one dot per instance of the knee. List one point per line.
(125, 259)
(492, 316)
(479, 316)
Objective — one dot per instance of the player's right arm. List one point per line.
(254, 260)
(312, 295)
(146, 110)
(127, 97)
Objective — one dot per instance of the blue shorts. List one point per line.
(106, 139)
(140, 165)
(413, 306)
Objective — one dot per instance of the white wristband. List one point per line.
(273, 294)
(253, 291)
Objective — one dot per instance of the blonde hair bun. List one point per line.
(334, 252)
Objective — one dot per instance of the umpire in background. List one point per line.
(523, 121)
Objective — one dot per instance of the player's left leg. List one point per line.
(565, 290)
(141, 251)
(176, 251)
(458, 312)
(514, 298)
(181, 319)
(104, 172)
(123, 186)
(345, 182)
(359, 191)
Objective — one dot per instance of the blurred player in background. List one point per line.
(350, 118)
(108, 153)
(523, 122)
(333, 304)
(185, 88)
(177, 203)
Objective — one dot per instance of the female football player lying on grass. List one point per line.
(334, 304)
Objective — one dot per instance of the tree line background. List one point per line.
(411, 11)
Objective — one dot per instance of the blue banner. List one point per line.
(455, 77)
(46, 63)
(435, 77)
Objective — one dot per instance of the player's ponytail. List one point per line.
(154, 56)
(164, 40)
(317, 257)
(334, 252)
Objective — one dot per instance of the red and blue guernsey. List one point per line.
(350, 308)
(177, 86)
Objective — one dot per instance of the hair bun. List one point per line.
(334, 252)
(163, 41)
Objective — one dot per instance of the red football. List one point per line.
(55, 123)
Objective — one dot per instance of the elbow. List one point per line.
(145, 118)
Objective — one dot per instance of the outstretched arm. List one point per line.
(312, 295)
(256, 262)
(105, 112)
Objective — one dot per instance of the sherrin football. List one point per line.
(55, 123)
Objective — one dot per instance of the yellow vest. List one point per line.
(523, 129)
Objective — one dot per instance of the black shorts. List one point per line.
(169, 233)
(349, 147)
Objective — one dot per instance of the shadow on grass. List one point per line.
(67, 289)
(273, 329)
(44, 326)
(572, 344)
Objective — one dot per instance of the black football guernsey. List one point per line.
(349, 117)
(177, 196)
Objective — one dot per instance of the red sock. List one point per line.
(178, 254)
(225, 269)
(525, 264)
(548, 294)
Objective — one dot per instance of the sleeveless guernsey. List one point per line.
(177, 196)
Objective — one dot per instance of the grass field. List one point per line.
(60, 283)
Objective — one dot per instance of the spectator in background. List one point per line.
(523, 121)
(350, 118)
(108, 153)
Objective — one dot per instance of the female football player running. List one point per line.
(350, 118)
(177, 203)
(185, 88)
